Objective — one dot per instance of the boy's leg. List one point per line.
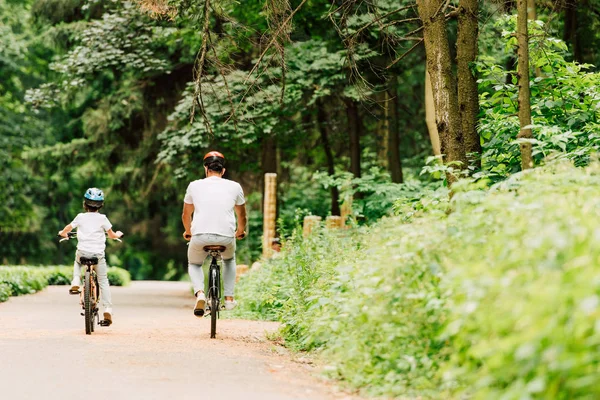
(76, 282)
(105, 297)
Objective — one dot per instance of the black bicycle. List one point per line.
(91, 291)
(214, 286)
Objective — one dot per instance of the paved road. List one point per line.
(155, 349)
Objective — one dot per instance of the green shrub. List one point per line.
(499, 299)
(118, 276)
(17, 280)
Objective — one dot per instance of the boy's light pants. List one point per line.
(197, 255)
(101, 273)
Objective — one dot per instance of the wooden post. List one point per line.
(334, 222)
(310, 221)
(270, 212)
(346, 210)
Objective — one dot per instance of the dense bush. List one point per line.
(565, 104)
(498, 299)
(15, 281)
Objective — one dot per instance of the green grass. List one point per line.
(20, 280)
(498, 299)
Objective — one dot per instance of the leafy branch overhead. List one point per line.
(121, 42)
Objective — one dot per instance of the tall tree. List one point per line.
(434, 137)
(393, 147)
(354, 131)
(468, 97)
(523, 82)
(443, 83)
(323, 126)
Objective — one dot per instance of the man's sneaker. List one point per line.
(200, 304)
(74, 289)
(230, 305)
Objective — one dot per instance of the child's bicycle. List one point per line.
(91, 291)
(214, 286)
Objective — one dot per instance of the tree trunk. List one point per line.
(393, 153)
(430, 117)
(443, 83)
(509, 6)
(468, 97)
(323, 126)
(354, 131)
(268, 159)
(383, 129)
(269, 155)
(570, 31)
(531, 14)
(523, 79)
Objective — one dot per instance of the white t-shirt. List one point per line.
(214, 200)
(91, 228)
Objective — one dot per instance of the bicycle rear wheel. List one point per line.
(87, 303)
(213, 317)
(214, 300)
(95, 296)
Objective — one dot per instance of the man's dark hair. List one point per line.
(216, 166)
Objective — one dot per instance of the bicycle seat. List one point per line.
(88, 261)
(214, 248)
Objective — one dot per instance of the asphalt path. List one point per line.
(155, 349)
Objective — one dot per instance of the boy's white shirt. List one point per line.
(91, 228)
(214, 200)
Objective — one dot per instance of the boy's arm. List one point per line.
(65, 231)
(114, 235)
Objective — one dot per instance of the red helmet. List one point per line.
(214, 156)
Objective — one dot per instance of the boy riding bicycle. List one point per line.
(91, 242)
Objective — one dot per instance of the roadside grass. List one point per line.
(498, 299)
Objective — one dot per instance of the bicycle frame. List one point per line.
(91, 289)
(90, 295)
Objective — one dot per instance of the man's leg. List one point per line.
(229, 267)
(229, 277)
(196, 256)
(197, 277)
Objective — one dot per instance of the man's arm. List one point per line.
(186, 218)
(242, 220)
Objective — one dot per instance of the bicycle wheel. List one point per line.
(95, 296)
(87, 303)
(214, 301)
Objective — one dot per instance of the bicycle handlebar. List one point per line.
(72, 235)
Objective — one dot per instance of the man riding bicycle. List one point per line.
(213, 201)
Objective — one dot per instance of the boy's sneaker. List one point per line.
(107, 321)
(74, 287)
(200, 304)
(230, 305)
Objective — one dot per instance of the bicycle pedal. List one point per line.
(105, 323)
(199, 313)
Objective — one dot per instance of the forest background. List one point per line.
(128, 96)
